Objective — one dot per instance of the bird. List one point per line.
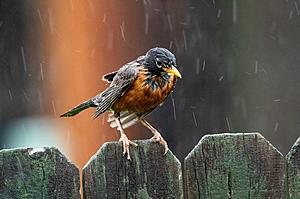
(134, 91)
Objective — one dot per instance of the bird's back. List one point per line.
(121, 81)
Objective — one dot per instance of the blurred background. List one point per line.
(239, 60)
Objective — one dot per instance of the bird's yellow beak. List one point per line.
(173, 71)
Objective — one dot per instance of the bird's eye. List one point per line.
(159, 64)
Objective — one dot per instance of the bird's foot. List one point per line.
(126, 142)
(158, 138)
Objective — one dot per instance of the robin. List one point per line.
(135, 90)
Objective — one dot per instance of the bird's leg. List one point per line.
(157, 136)
(124, 139)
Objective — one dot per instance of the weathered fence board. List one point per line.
(237, 166)
(29, 174)
(234, 166)
(293, 171)
(149, 174)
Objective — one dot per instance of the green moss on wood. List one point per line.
(27, 174)
(234, 166)
(149, 174)
(293, 171)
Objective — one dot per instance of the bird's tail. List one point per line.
(79, 108)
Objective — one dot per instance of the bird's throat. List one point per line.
(157, 81)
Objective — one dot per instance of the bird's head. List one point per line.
(161, 60)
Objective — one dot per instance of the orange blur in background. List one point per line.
(78, 34)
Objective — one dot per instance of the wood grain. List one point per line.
(29, 174)
(149, 174)
(238, 165)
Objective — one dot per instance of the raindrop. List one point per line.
(256, 67)
(173, 104)
(205, 3)
(103, 121)
(25, 95)
(184, 39)
(296, 6)
(291, 14)
(169, 22)
(93, 52)
(40, 16)
(171, 45)
(199, 34)
(194, 118)
(219, 13)
(203, 65)
(104, 18)
(122, 27)
(194, 140)
(234, 11)
(146, 23)
(42, 74)
(71, 4)
(228, 123)
(276, 126)
(10, 95)
(221, 78)
(53, 107)
(24, 60)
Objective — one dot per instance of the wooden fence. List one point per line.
(237, 166)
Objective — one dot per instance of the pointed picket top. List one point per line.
(293, 171)
(149, 174)
(234, 165)
(37, 173)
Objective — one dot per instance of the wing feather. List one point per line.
(110, 76)
(127, 119)
(121, 82)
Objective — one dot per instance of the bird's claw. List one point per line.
(158, 138)
(126, 142)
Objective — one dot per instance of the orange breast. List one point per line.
(141, 98)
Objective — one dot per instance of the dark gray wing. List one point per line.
(120, 83)
(110, 76)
